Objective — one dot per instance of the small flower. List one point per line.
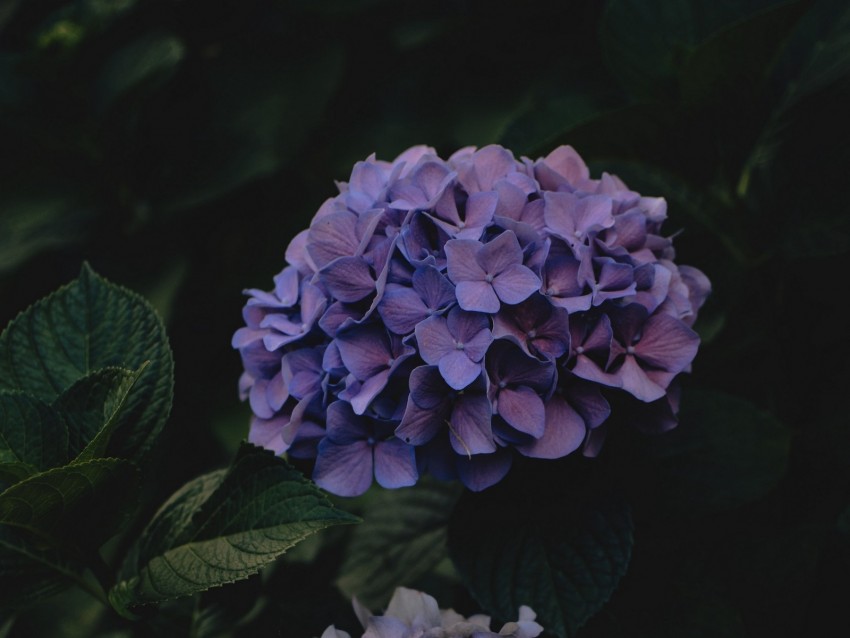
(487, 273)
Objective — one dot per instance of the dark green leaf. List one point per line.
(261, 115)
(734, 61)
(150, 59)
(563, 559)
(223, 527)
(403, 536)
(645, 49)
(724, 453)
(539, 127)
(85, 326)
(30, 573)
(85, 501)
(11, 473)
(93, 407)
(31, 432)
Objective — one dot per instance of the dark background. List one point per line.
(178, 145)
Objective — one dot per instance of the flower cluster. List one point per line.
(442, 316)
(414, 614)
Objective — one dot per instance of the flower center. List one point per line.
(370, 441)
(503, 384)
(489, 278)
(459, 345)
(531, 333)
(630, 350)
(580, 350)
(550, 291)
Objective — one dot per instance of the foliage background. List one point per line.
(178, 145)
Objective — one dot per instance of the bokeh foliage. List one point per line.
(178, 145)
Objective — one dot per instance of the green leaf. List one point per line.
(30, 573)
(31, 432)
(544, 122)
(85, 501)
(85, 326)
(93, 407)
(11, 473)
(645, 49)
(724, 453)
(223, 527)
(149, 60)
(560, 552)
(734, 61)
(402, 538)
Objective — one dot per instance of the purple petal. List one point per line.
(401, 308)
(634, 381)
(499, 254)
(433, 288)
(348, 279)
(344, 470)
(332, 236)
(343, 426)
(464, 326)
(365, 350)
(434, 339)
(470, 426)
(565, 432)
(458, 370)
(667, 343)
(515, 284)
(477, 296)
(395, 464)
(427, 388)
(461, 260)
(268, 433)
(366, 391)
(419, 425)
(523, 409)
(483, 470)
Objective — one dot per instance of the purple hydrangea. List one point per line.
(415, 614)
(443, 316)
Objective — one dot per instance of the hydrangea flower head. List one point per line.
(443, 316)
(415, 614)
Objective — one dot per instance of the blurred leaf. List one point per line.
(30, 573)
(261, 118)
(735, 60)
(724, 453)
(149, 60)
(562, 559)
(31, 224)
(31, 432)
(93, 407)
(402, 537)
(91, 498)
(645, 49)
(223, 527)
(544, 122)
(87, 325)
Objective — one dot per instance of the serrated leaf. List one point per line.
(724, 453)
(84, 326)
(30, 573)
(561, 558)
(31, 432)
(93, 407)
(402, 537)
(11, 473)
(223, 527)
(85, 501)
